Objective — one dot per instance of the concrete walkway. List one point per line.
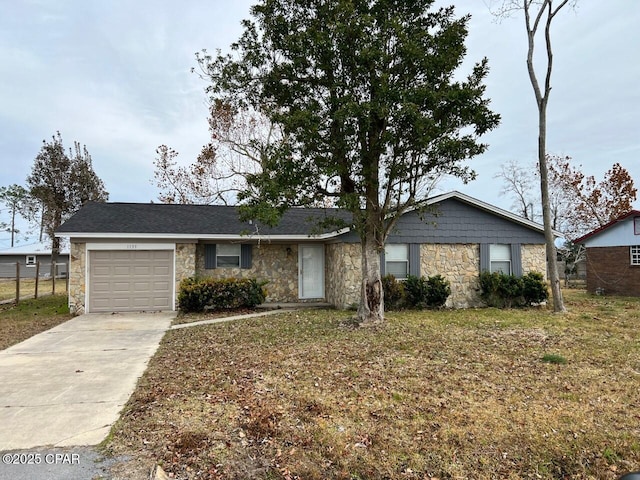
(66, 386)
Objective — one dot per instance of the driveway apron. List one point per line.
(67, 386)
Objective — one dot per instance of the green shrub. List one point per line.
(196, 295)
(424, 292)
(416, 288)
(438, 291)
(501, 290)
(534, 288)
(505, 291)
(394, 293)
(490, 288)
(510, 289)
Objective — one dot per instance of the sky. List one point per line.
(116, 77)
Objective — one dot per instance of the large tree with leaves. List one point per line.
(62, 184)
(588, 203)
(366, 95)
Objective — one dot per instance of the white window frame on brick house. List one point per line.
(634, 253)
(396, 259)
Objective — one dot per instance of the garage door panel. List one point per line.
(123, 270)
(130, 280)
(102, 270)
(100, 255)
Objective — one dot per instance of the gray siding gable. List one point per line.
(454, 221)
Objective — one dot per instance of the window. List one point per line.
(31, 261)
(228, 256)
(397, 260)
(500, 258)
(636, 225)
(635, 254)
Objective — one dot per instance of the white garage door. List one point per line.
(130, 280)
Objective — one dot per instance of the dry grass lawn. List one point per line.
(468, 394)
(27, 288)
(29, 317)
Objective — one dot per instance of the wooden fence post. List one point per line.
(17, 283)
(37, 279)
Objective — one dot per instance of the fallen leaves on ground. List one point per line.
(429, 395)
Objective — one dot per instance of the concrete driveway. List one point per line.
(66, 386)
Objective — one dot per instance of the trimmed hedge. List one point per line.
(415, 292)
(198, 294)
(505, 291)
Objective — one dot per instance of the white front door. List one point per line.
(311, 271)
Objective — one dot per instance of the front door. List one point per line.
(311, 271)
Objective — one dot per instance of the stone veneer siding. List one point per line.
(460, 264)
(275, 263)
(343, 268)
(534, 259)
(77, 280)
(185, 263)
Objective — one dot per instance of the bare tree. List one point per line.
(519, 182)
(239, 140)
(538, 17)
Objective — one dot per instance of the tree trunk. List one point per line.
(552, 260)
(371, 310)
(542, 100)
(55, 252)
(55, 243)
(13, 225)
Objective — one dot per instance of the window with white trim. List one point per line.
(228, 255)
(500, 258)
(636, 225)
(396, 259)
(635, 254)
(31, 261)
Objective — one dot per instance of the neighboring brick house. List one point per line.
(128, 257)
(613, 256)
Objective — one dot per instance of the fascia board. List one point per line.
(187, 236)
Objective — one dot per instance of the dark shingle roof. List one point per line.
(158, 218)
